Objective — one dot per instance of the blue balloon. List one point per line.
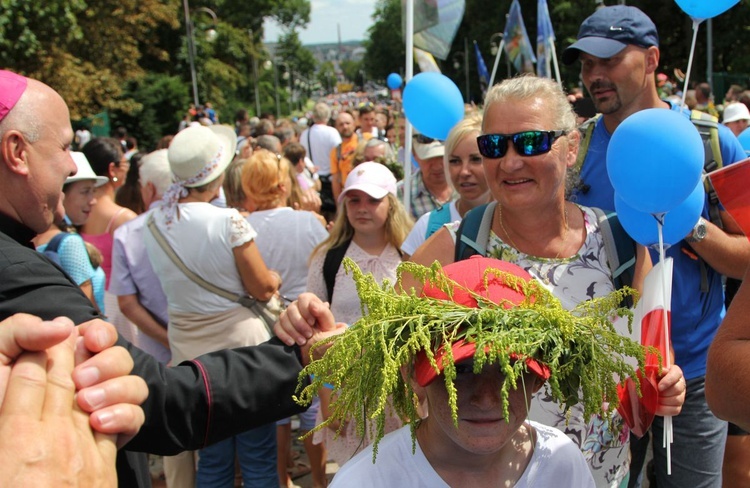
(744, 139)
(705, 9)
(655, 159)
(433, 104)
(678, 222)
(394, 81)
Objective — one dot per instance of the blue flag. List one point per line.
(517, 43)
(484, 75)
(545, 39)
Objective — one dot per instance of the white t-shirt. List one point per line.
(417, 235)
(322, 138)
(285, 240)
(556, 462)
(203, 236)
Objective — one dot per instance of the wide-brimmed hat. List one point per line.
(736, 111)
(428, 150)
(375, 179)
(470, 277)
(84, 171)
(198, 155)
(609, 30)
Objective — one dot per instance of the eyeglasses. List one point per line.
(422, 139)
(527, 143)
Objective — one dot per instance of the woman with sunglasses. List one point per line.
(528, 142)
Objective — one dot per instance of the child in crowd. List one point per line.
(485, 444)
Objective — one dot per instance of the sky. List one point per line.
(354, 17)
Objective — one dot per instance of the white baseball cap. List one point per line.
(372, 178)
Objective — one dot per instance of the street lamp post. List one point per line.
(254, 54)
(189, 28)
(191, 50)
(276, 88)
(457, 65)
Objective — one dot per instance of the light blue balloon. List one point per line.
(705, 9)
(394, 81)
(655, 159)
(744, 139)
(433, 104)
(678, 222)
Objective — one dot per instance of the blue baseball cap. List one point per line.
(609, 30)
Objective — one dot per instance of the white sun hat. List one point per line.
(736, 111)
(198, 155)
(84, 171)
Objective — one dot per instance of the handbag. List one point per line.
(268, 311)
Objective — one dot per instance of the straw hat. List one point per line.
(198, 155)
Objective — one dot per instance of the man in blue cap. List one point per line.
(618, 48)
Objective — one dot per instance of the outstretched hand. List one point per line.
(306, 321)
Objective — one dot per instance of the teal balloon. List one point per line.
(433, 104)
(705, 9)
(655, 159)
(678, 222)
(394, 81)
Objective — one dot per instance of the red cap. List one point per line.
(12, 86)
(470, 275)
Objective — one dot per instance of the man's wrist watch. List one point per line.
(699, 231)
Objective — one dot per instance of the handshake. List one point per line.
(67, 402)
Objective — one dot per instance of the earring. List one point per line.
(114, 179)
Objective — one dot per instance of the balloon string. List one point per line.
(667, 436)
(696, 23)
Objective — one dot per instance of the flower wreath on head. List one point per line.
(581, 348)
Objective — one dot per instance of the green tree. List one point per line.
(385, 47)
(162, 99)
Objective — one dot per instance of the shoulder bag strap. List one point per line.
(188, 272)
(309, 144)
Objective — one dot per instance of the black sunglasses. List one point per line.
(527, 143)
(422, 139)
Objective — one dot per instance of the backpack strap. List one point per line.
(474, 232)
(331, 265)
(438, 218)
(708, 127)
(587, 130)
(620, 249)
(53, 245)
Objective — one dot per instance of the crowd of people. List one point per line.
(183, 249)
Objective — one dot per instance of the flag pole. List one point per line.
(497, 60)
(554, 61)
(409, 75)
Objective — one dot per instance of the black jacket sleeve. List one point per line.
(214, 396)
(191, 405)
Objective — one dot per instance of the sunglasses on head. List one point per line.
(422, 139)
(527, 143)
